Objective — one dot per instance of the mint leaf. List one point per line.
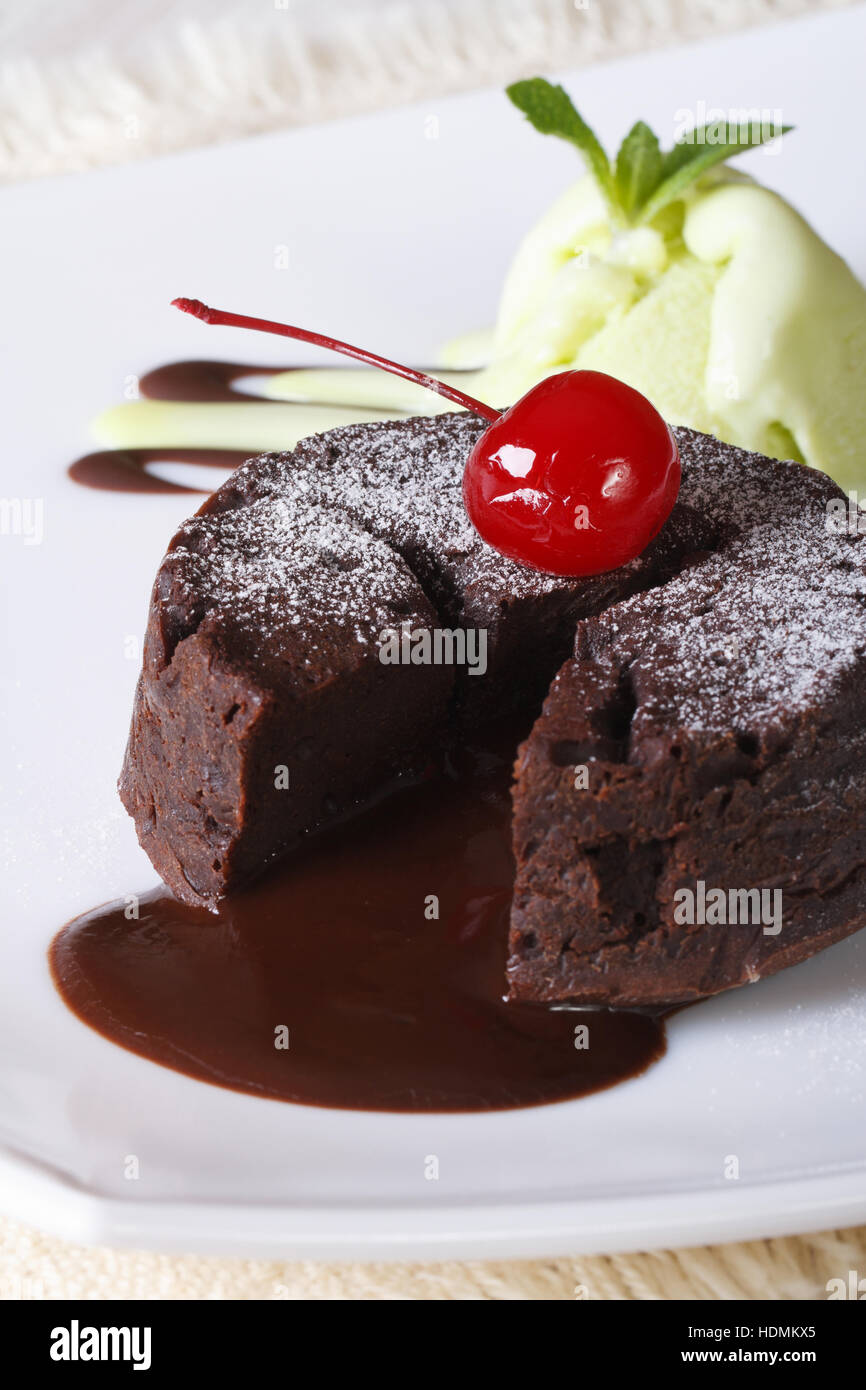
(644, 180)
(692, 157)
(638, 168)
(675, 158)
(552, 112)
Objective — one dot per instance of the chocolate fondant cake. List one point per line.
(711, 698)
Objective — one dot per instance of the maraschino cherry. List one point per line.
(574, 479)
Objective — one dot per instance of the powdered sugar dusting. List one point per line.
(293, 583)
(402, 482)
(768, 626)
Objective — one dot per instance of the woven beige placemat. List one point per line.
(36, 1266)
(176, 80)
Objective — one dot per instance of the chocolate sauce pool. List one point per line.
(339, 952)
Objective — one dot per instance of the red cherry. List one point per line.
(576, 478)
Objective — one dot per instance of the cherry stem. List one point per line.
(288, 330)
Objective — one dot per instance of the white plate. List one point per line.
(399, 241)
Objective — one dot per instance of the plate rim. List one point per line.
(38, 1195)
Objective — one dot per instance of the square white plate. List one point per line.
(399, 241)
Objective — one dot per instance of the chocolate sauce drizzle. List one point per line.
(125, 470)
(378, 950)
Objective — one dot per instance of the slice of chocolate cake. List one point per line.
(261, 711)
(690, 806)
